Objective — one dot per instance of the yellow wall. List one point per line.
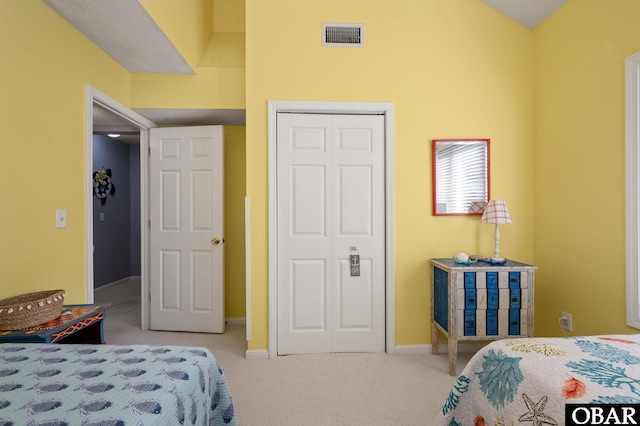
(211, 87)
(228, 16)
(579, 205)
(452, 69)
(187, 23)
(217, 57)
(46, 65)
(226, 47)
(217, 83)
(234, 246)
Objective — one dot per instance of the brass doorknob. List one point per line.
(215, 240)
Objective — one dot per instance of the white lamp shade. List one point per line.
(496, 212)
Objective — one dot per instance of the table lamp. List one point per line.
(498, 213)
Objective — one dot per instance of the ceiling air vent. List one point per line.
(344, 35)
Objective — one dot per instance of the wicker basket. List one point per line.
(27, 310)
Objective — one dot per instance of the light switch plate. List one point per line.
(61, 218)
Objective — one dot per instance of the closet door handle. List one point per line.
(215, 241)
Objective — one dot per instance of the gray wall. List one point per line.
(116, 238)
(134, 189)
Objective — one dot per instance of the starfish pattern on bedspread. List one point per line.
(536, 414)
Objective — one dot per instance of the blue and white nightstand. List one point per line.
(480, 301)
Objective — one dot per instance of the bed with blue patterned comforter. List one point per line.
(529, 381)
(45, 384)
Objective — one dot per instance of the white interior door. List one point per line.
(330, 199)
(186, 229)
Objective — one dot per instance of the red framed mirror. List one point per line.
(460, 176)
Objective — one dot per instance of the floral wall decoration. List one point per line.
(102, 185)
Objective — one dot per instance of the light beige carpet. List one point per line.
(323, 389)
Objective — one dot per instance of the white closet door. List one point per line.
(330, 181)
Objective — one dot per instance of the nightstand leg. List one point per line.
(453, 352)
(434, 339)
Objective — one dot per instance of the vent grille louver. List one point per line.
(344, 35)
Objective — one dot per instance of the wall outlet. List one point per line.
(566, 321)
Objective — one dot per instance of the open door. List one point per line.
(187, 229)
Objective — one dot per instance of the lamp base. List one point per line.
(497, 259)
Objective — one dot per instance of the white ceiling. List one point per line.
(194, 117)
(105, 122)
(125, 31)
(528, 12)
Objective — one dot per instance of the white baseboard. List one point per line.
(256, 354)
(400, 350)
(236, 321)
(413, 349)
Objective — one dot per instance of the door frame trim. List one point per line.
(321, 107)
(95, 97)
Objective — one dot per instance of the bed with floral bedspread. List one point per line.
(111, 385)
(529, 380)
